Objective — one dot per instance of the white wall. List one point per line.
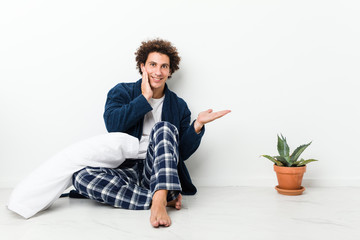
(288, 67)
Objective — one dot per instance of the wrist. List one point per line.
(147, 96)
(198, 126)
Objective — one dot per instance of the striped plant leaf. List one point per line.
(284, 159)
(283, 149)
(304, 162)
(297, 162)
(298, 151)
(281, 159)
(273, 160)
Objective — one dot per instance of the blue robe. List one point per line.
(126, 107)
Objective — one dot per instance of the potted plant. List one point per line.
(289, 169)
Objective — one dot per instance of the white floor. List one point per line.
(214, 213)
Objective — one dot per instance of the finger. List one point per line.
(145, 77)
(222, 113)
(217, 115)
(143, 68)
(144, 73)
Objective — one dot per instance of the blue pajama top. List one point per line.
(126, 107)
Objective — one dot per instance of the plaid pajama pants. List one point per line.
(132, 185)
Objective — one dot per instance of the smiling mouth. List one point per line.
(156, 79)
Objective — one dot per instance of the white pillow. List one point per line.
(45, 185)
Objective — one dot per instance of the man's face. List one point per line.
(157, 66)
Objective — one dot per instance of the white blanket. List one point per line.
(44, 186)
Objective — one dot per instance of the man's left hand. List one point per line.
(208, 116)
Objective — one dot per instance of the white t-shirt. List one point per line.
(150, 119)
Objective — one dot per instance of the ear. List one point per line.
(142, 66)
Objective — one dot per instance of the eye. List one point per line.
(152, 64)
(165, 66)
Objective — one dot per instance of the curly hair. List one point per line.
(160, 46)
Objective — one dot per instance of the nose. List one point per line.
(158, 71)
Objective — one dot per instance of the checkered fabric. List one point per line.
(132, 185)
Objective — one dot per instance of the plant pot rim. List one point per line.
(289, 170)
(289, 167)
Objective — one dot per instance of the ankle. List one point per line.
(160, 197)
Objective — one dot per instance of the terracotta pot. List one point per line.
(289, 178)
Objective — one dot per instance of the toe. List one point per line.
(167, 223)
(155, 223)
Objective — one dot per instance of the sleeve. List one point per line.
(122, 111)
(189, 139)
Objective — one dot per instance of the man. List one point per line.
(148, 110)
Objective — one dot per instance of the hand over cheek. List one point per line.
(145, 85)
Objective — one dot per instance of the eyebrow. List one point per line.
(166, 64)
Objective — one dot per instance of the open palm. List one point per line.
(208, 116)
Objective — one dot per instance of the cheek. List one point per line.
(148, 70)
(166, 72)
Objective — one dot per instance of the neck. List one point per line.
(158, 93)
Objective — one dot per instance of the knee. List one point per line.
(164, 130)
(81, 174)
(166, 126)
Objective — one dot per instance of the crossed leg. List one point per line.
(158, 188)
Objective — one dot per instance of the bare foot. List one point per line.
(176, 203)
(159, 216)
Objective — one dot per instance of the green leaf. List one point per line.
(273, 160)
(304, 162)
(298, 151)
(297, 163)
(281, 159)
(283, 149)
